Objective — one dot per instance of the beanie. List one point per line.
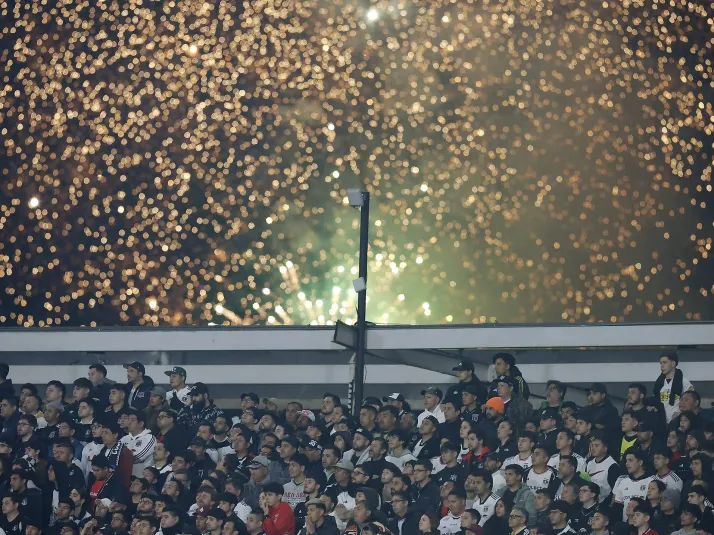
(496, 403)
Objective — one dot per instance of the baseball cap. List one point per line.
(158, 391)
(198, 389)
(100, 461)
(548, 413)
(432, 390)
(431, 418)
(217, 513)
(644, 426)
(463, 366)
(138, 366)
(289, 439)
(317, 503)
(106, 502)
(394, 396)
(176, 370)
(197, 441)
(310, 415)
(345, 465)
(598, 388)
(365, 433)
(313, 444)
(471, 389)
(505, 379)
(257, 462)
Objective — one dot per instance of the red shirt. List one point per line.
(280, 520)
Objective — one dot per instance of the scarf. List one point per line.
(677, 386)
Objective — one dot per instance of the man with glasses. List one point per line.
(406, 517)
(425, 492)
(588, 496)
(518, 521)
(174, 436)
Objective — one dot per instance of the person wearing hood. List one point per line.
(317, 521)
(6, 387)
(505, 364)
(138, 386)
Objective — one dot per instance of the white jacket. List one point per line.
(142, 446)
(88, 453)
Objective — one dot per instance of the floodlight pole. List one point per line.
(361, 305)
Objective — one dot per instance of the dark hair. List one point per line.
(530, 435)
(100, 368)
(4, 370)
(639, 386)
(485, 475)
(140, 416)
(424, 463)
(334, 450)
(90, 403)
(671, 356)
(12, 400)
(637, 453)
(593, 487)
(697, 397)
(659, 484)
(572, 461)
(390, 409)
(83, 382)
(60, 385)
(334, 397)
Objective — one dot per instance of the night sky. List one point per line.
(186, 162)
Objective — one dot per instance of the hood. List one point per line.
(346, 437)
(105, 382)
(373, 498)
(515, 372)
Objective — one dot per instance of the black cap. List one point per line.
(644, 426)
(251, 396)
(289, 439)
(313, 444)
(365, 433)
(138, 366)
(550, 412)
(197, 441)
(176, 370)
(505, 379)
(433, 390)
(217, 513)
(464, 365)
(101, 461)
(598, 388)
(228, 497)
(471, 389)
(198, 389)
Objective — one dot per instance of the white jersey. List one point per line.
(450, 525)
(183, 395)
(627, 488)
(672, 411)
(294, 493)
(536, 481)
(554, 462)
(399, 461)
(88, 453)
(242, 510)
(437, 413)
(598, 472)
(142, 446)
(671, 480)
(486, 508)
(516, 459)
(499, 481)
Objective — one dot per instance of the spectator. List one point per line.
(117, 406)
(140, 442)
(518, 521)
(505, 365)
(97, 375)
(602, 468)
(81, 389)
(278, 517)
(201, 409)
(632, 485)
(428, 445)
(516, 409)
(466, 376)
(318, 522)
(397, 400)
(10, 415)
(603, 412)
(559, 516)
(564, 445)
(516, 494)
(138, 386)
(157, 403)
(6, 387)
(554, 395)
(432, 405)
(451, 523)
(671, 384)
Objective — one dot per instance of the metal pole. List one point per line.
(361, 304)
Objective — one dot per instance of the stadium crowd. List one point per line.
(121, 458)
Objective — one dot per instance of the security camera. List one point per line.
(359, 284)
(354, 196)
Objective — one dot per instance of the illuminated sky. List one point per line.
(187, 162)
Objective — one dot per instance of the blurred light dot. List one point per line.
(34, 202)
(372, 15)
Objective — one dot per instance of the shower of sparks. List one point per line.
(187, 162)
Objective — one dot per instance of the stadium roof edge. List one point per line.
(282, 338)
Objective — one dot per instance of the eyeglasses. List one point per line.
(358, 474)
(419, 470)
(515, 516)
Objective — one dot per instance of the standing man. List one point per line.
(671, 384)
(505, 364)
(432, 405)
(465, 373)
(180, 393)
(97, 375)
(138, 386)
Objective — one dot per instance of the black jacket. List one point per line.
(410, 524)
(457, 389)
(7, 390)
(426, 499)
(140, 400)
(31, 505)
(521, 389)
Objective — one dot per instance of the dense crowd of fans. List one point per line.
(133, 458)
